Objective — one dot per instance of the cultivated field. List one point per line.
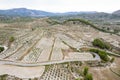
(41, 42)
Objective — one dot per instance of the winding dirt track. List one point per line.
(18, 63)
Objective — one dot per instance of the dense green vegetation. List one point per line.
(103, 55)
(1, 49)
(101, 44)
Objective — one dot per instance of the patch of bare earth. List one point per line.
(104, 73)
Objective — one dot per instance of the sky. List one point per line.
(63, 5)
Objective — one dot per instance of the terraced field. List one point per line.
(50, 44)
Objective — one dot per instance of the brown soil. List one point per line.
(104, 73)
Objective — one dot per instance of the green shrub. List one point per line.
(3, 77)
(35, 79)
(88, 77)
(85, 72)
(101, 44)
(11, 39)
(77, 79)
(103, 55)
(1, 49)
(112, 60)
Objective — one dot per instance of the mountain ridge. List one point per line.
(24, 12)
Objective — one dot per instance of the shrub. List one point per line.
(85, 72)
(77, 79)
(35, 79)
(11, 39)
(3, 77)
(101, 44)
(1, 49)
(112, 60)
(103, 55)
(88, 77)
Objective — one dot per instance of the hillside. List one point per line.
(44, 47)
(55, 46)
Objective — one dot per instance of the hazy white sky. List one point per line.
(63, 5)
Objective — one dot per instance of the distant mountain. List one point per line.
(23, 12)
(76, 13)
(116, 12)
